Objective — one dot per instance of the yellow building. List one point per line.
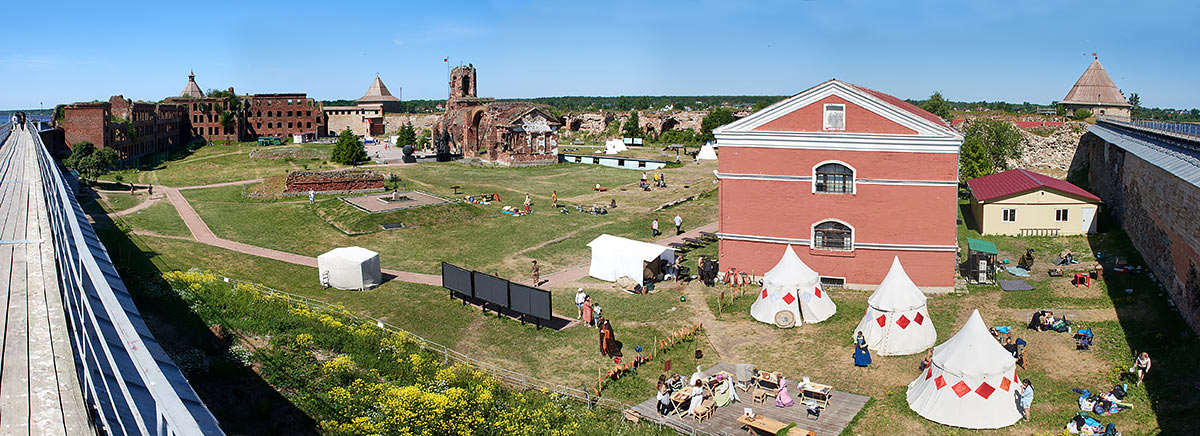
(1020, 202)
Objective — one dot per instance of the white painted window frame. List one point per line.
(1004, 217)
(853, 178)
(1065, 214)
(825, 117)
(812, 235)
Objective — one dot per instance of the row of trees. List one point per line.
(90, 162)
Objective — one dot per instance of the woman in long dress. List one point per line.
(608, 343)
(862, 356)
(587, 310)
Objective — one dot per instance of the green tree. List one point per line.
(1060, 110)
(716, 118)
(349, 150)
(1081, 114)
(79, 151)
(1135, 101)
(937, 105)
(97, 164)
(407, 135)
(632, 129)
(988, 146)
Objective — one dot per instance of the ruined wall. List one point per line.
(336, 181)
(1158, 211)
(650, 121)
(420, 122)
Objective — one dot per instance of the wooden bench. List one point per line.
(456, 188)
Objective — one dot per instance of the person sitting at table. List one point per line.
(675, 382)
(664, 401)
(782, 399)
(862, 356)
(697, 397)
(725, 394)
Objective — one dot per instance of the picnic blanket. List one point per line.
(1015, 285)
(1017, 271)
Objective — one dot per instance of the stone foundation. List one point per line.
(336, 181)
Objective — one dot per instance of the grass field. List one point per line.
(217, 163)
(1125, 323)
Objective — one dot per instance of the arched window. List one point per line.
(834, 178)
(832, 235)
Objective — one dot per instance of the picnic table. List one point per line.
(679, 399)
(770, 426)
(816, 392)
(708, 235)
(693, 241)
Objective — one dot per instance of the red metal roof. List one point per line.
(903, 105)
(1018, 181)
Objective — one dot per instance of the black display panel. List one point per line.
(530, 301)
(491, 289)
(457, 279)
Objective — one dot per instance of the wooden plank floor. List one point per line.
(39, 388)
(842, 408)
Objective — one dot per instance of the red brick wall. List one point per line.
(323, 186)
(88, 123)
(878, 213)
(811, 118)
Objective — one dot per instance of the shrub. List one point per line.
(1081, 114)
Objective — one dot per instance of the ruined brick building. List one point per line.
(133, 129)
(508, 133)
(256, 115)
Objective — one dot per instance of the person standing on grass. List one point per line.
(150, 190)
(678, 225)
(587, 310)
(312, 196)
(1025, 397)
(862, 356)
(654, 228)
(554, 198)
(580, 298)
(1142, 364)
(535, 272)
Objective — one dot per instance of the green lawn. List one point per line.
(217, 163)
(160, 218)
(117, 202)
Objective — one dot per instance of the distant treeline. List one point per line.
(406, 106)
(596, 104)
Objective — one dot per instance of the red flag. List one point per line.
(446, 60)
(1093, 54)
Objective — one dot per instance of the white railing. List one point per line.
(129, 383)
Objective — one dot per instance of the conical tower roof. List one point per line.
(377, 93)
(192, 90)
(1095, 88)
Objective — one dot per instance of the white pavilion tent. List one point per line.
(897, 321)
(614, 146)
(706, 153)
(350, 268)
(614, 257)
(971, 383)
(792, 294)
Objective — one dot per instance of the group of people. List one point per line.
(722, 394)
(660, 181)
(1045, 320)
(590, 313)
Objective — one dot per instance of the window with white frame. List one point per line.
(1008, 215)
(835, 117)
(832, 235)
(835, 178)
(1060, 215)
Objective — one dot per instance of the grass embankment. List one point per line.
(218, 163)
(354, 378)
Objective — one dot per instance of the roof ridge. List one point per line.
(1031, 177)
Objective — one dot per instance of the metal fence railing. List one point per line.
(129, 383)
(1175, 128)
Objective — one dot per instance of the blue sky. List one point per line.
(970, 50)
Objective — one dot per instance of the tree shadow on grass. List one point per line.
(239, 398)
(1152, 325)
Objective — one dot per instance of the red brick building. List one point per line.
(504, 133)
(256, 115)
(850, 177)
(133, 129)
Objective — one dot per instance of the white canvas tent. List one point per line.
(350, 268)
(792, 294)
(614, 257)
(614, 146)
(970, 383)
(897, 321)
(706, 153)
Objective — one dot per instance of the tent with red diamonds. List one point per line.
(792, 294)
(970, 383)
(897, 322)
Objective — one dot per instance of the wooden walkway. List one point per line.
(842, 409)
(39, 388)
